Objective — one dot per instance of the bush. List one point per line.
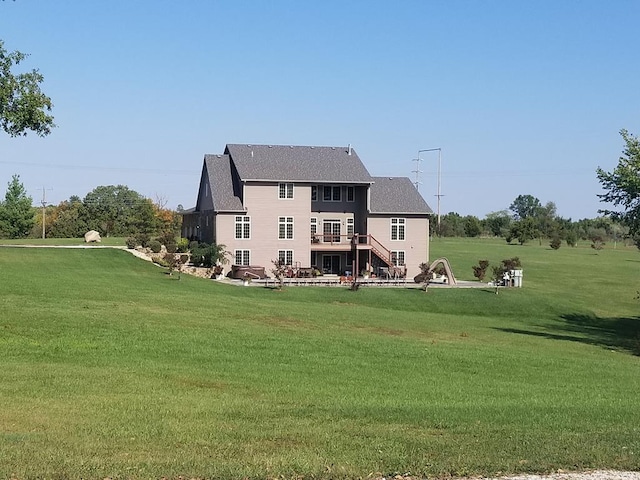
(555, 243)
(480, 270)
(161, 261)
(205, 255)
(131, 242)
(171, 247)
(167, 238)
(143, 239)
(155, 246)
(182, 246)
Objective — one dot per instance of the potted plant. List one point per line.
(365, 273)
(246, 280)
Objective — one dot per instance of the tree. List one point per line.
(451, 225)
(16, 212)
(498, 223)
(525, 206)
(68, 219)
(23, 106)
(472, 226)
(118, 210)
(622, 186)
(523, 230)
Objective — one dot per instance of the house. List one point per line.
(310, 207)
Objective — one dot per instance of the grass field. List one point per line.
(111, 368)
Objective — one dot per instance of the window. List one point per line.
(286, 256)
(243, 227)
(331, 231)
(314, 228)
(350, 229)
(351, 194)
(285, 190)
(397, 228)
(314, 193)
(397, 257)
(285, 228)
(331, 194)
(242, 257)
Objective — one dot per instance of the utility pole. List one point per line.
(44, 211)
(417, 171)
(438, 195)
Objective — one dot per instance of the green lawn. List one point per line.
(111, 368)
(106, 241)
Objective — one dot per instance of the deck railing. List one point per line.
(378, 248)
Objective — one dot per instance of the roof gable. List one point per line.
(224, 188)
(397, 195)
(298, 163)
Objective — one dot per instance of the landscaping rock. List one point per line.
(92, 236)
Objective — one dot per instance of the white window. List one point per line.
(314, 193)
(331, 194)
(351, 194)
(242, 257)
(314, 227)
(286, 256)
(285, 190)
(285, 228)
(243, 227)
(350, 229)
(331, 231)
(397, 257)
(398, 228)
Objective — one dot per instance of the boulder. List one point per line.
(92, 236)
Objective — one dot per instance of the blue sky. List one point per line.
(523, 97)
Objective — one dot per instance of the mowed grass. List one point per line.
(111, 368)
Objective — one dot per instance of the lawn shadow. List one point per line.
(619, 333)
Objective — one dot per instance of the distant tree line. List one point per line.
(527, 219)
(110, 210)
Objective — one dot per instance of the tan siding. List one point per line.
(416, 242)
(264, 207)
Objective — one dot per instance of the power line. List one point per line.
(156, 171)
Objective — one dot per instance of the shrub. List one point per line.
(167, 238)
(131, 242)
(182, 246)
(155, 246)
(480, 270)
(171, 247)
(205, 255)
(555, 243)
(193, 245)
(160, 261)
(143, 239)
(173, 261)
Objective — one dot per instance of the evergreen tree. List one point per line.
(16, 212)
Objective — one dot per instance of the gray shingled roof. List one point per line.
(225, 199)
(397, 195)
(298, 164)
